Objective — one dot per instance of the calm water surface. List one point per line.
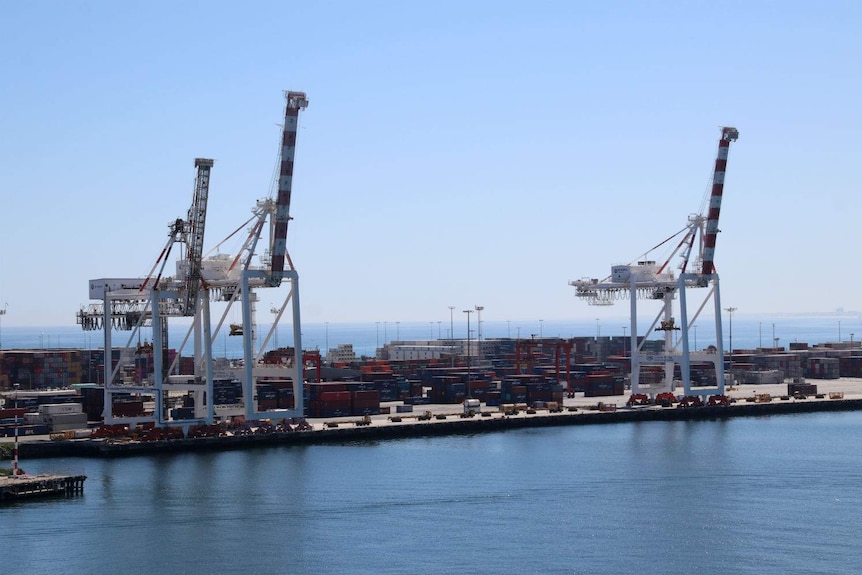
(773, 495)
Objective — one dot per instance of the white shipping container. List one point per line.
(65, 427)
(62, 418)
(60, 408)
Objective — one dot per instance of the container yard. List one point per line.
(153, 394)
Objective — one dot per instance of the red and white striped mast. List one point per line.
(15, 471)
(728, 135)
(295, 101)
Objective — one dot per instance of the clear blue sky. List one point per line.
(453, 153)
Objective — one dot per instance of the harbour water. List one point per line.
(770, 495)
(767, 496)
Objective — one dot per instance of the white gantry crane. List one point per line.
(648, 280)
(133, 303)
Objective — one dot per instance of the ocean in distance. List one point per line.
(748, 332)
(775, 495)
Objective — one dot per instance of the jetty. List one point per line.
(14, 488)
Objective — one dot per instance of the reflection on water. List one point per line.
(751, 495)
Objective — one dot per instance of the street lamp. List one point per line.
(15, 448)
(468, 312)
(730, 311)
(2, 313)
(451, 322)
(274, 311)
(625, 347)
(451, 332)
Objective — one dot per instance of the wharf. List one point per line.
(350, 430)
(30, 486)
(445, 419)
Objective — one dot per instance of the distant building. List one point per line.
(342, 354)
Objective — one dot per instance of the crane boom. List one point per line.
(728, 135)
(295, 101)
(197, 223)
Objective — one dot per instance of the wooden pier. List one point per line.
(29, 486)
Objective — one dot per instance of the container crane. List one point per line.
(132, 303)
(646, 279)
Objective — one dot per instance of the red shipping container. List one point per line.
(334, 396)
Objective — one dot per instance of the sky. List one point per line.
(452, 154)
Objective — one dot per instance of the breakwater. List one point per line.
(347, 431)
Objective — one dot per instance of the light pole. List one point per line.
(760, 334)
(541, 328)
(439, 323)
(2, 313)
(385, 335)
(839, 331)
(274, 311)
(730, 311)
(468, 312)
(479, 309)
(451, 322)
(452, 333)
(851, 339)
(326, 326)
(432, 329)
(378, 334)
(625, 347)
(15, 448)
(774, 339)
(598, 329)
(508, 329)
(695, 338)
(397, 331)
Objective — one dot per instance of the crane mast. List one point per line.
(728, 135)
(295, 101)
(196, 224)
